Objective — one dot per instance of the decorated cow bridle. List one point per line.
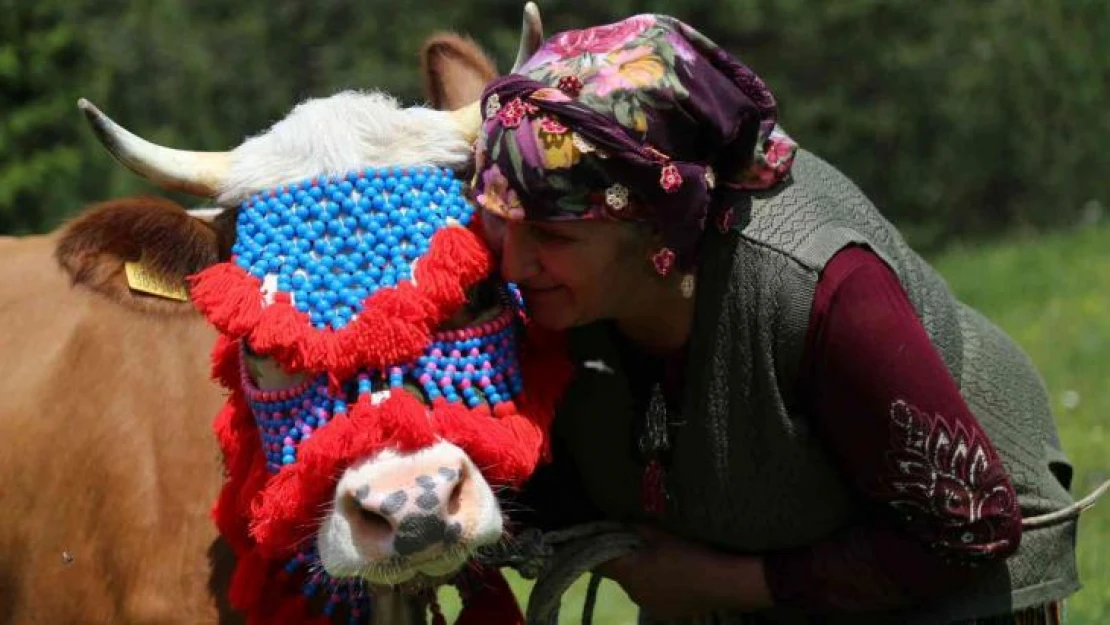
(347, 278)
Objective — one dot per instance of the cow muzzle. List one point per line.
(397, 517)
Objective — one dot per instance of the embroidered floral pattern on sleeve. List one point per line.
(949, 483)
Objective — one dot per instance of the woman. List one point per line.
(805, 422)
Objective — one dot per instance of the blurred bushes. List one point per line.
(959, 119)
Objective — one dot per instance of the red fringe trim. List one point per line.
(395, 324)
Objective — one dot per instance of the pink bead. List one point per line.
(283, 429)
(455, 354)
(465, 383)
(445, 381)
(288, 441)
(469, 368)
(425, 378)
(437, 353)
(498, 378)
(449, 369)
(484, 381)
(306, 430)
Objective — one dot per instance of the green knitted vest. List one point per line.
(747, 473)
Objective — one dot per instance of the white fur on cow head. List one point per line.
(347, 131)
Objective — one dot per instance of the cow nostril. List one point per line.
(374, 521)
(368, 520)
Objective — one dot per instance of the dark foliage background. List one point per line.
(959, 119)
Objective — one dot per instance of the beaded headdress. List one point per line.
(346, 279)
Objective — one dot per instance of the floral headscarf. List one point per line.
(643, 119)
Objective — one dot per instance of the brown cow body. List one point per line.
(109, 469)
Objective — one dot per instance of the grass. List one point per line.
(1051, 293)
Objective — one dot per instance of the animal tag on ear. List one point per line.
(141, 278)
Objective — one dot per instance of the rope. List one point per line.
(1066, 514)
(576, 551)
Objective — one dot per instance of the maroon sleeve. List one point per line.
(895, 423)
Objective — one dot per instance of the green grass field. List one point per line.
(1052, 294)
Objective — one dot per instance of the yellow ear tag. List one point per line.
(140, 278)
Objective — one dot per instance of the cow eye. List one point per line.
(266, 374)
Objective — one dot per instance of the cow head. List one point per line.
(381, 380)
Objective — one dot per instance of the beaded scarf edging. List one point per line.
(268, 517)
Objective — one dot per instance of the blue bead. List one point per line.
(288, 459)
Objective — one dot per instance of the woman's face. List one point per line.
(571, 272)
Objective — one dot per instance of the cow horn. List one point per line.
(205, 214)
(196, 173)
(531, 35)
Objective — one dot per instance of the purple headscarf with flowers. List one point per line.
(643, 119)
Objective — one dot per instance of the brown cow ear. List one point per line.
(455, 71)
(139, 250)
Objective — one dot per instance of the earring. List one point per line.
(687, 285)
(663, 261)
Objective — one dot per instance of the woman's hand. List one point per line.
(671, 577)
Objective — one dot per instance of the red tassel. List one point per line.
(293, 610)
(225, 362)
(248, 581)
(228, 297)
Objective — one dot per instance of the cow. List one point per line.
(451, 510)
(107, 457)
